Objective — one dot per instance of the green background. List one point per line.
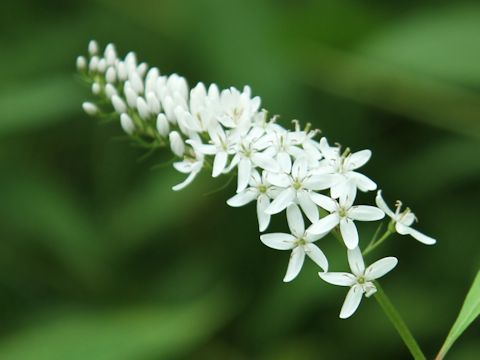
(99, 259)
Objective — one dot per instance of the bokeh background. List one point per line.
(99, 259)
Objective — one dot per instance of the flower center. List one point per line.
(297, 184)
(343, 212)
(301, 242)
(361, 280)
(262, 189)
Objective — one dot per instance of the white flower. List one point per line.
(237, 107)
(299, 241)
(343, 213)
(261, 190)
(250, 155)
(403, 220)
(360, 280)
(343, 166)
(221, 147)
(298, 187)
(191, 165)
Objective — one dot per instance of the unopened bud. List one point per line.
(81, 63)
(93, 47)
(90, 108)
(143, 109)
(163, 127)
(153, 103)
(118, 104)
(176, 143)
(127, 124)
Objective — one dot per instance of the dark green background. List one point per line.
(99, 259)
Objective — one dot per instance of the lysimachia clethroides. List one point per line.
(291, 172)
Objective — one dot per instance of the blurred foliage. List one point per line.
(99, 259)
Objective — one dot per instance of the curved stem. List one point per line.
(397, 321)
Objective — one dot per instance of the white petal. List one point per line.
(295, 264)
(278, 241)
(317, 255)
(307, 205)
(243, 198)
(244, 172)
(263, 218)
(295, 220)
(325, 224)
(354, 296)
(219, 163)
(280, 180)
(380, 268)
(355, 260)
(383, 205)
(324, 202)
(281, 201)
(349, 233)
(357, 159)
(320, 182)
(186, 182)
(365, 213)
(338, 278)
(405, 230)
(265, 162)
(285, 161)
(363, 183)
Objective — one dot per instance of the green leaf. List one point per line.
(130, 333)
(469, 312)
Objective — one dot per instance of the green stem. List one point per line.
(373, 246)
(397, 321)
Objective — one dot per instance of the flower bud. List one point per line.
(127, 124)
(122, 71)
(96, 88)
(143, 109)
(111, 75)
(110, 90)
(93, 64)
(90, 108)
(110, 54)
(153, 103)
(136, 82)
(130, 94)
(118, 104)
(163, 127)
(176, 143)
(81, 63)
(93, 47)
(102, 65)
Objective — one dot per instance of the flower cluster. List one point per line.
(227, 132)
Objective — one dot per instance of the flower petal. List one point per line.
(285, 161)
(380, 268)
(244, 172)
(281, 201)
(354, 296)
(325, 224)
(219, 163)
(265, 162)
(324, 201)
(383, 205)
(263, 218)
(278, 241)
(295, 264)
(338, 278)
(243, 197)
(405, 230)
(320, 182)
(349, 233)
(317, 255)
(357, 159)
(307, 205)
(363, 183)
(365, 213)
(295, 220)
(280, 180)
(355, 260)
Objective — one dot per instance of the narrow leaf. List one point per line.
(469, 312)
